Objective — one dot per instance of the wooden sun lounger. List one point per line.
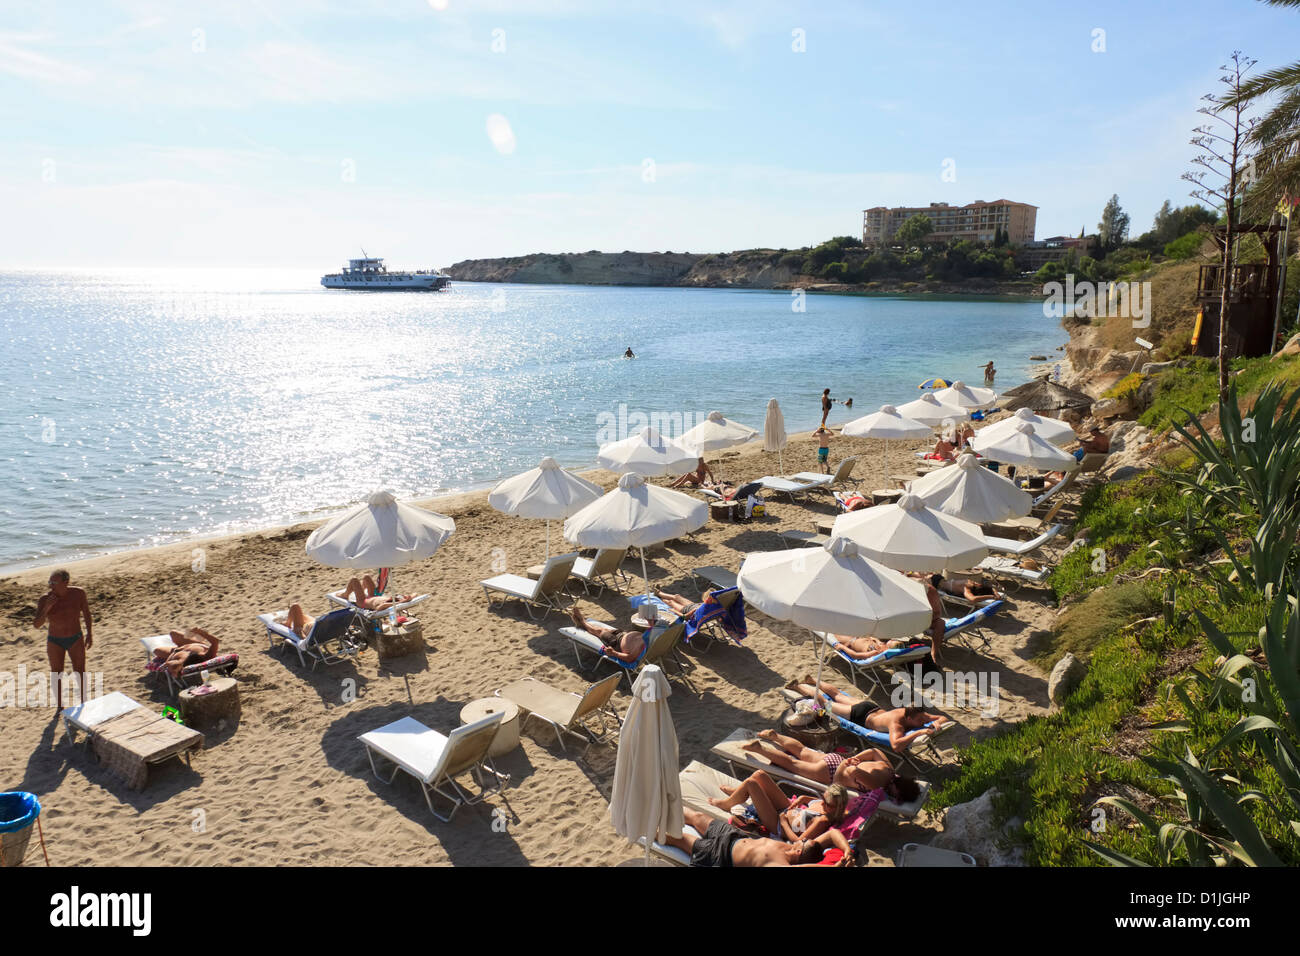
(127, 737)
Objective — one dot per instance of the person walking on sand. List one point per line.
(823, 436)
(61, 608)
(989, 372)
(827, 402)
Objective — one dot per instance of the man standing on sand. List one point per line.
(62, 608)
(823, 436)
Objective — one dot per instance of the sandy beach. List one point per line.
(290, 783)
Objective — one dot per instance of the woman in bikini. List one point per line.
(192, 646)
(863, 648)
(791, 819)
(681, 606)
(364, 593)
(863, 772)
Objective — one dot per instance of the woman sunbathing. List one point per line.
(903, 724)
(791, 819)
(696, 478)
(681, 606)
(864, 771)
(362, 593)
(299, 621)
(192, 646)
(972, 589)
(864, 648)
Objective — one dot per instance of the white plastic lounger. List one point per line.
(872, 667)
(1007, 567)
(1022, 548)
(190, 672)
(803, 539)
(338, 598)
(1057, 489)
(744, 762)
(436, 760)
(567, 713)
(673, 854)
(918, 854)
(660, 642)
(842, 475)
(790, 487)
(543, 593)
(716, 575)
(878, 738)
(608, 563)
(329, 631)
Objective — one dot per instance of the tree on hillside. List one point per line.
(1113, 228)
(1276, 137)
(915, 230)
(1225, 157)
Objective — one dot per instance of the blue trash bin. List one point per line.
(18, 813)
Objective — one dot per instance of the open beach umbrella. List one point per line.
(966, 396)
(935, 383)
(1049, 429)
(1022, 447)
(886, 424)
(834, 588)
(774, 436)
(648, 453)
(910, 536)
(971, 492)
(928, 410)
(646, 800)
(716, 433)
(546, 492)
(635, 515)
(382, 532)
(1044, 395)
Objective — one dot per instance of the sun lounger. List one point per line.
(129, 738)
(720, 616)
(790, 487)
(842, 475)
(1092, 462)
(919, 854)
(436, 760)
(544, 593)
(744, 762)
(1031, 525)
(608, 563)
(878, 738)
(190, 674)
(374, 617)
(1058, 489)
(1007, 567)
(567, 713)
(803, 539)
(336, 636)
(660, 643)
(715, 575)
(972, 623)
(1022, 548)
(872, 667)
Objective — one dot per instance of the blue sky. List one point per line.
(287, 134)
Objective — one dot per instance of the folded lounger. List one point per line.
(659, 644)
(567, 713)
(127, 737)
(191, 674)
(331, 639)
(436, 760)
(545, 593)
(744, 762)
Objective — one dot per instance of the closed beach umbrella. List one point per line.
(635, 515)
(646, 801)
(774, 437)
(910, 536)
(971, 492)
(886, 424)
(1022, 447)
(716, 433)
(380, 533)
(930, 411)
(1051, 430)
(546, 492)
(967, 396)
(834, 588)
(648, 453)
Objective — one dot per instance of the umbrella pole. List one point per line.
(644, 575)
(817, 687)
(548, 539)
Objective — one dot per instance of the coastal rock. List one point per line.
(1066, 676)
(1108, 408)
(972, 828)
(1292, 346)
(1038, 358)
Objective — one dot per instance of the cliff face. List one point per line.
(584, 268)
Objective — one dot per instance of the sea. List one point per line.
(143, 407)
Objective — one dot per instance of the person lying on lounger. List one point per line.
(864, 648)
(903, 724)
(625, 646)
(972, 589)
(944, 449)
(865, 771)
(299, 621)
(696, 478)
(682, 606)
(362, 594)
(722, 845)
(781, 817)
(192, 646)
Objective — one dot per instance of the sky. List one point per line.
(287, 133)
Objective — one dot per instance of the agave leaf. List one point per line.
(1113, 857)
(1251, 847)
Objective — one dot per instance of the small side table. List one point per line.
(819, 736)
(405, 639)
(723, 510)
(507, 738)
(207, 710)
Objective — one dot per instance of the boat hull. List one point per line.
(385, 282)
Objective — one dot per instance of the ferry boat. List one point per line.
(372, 275)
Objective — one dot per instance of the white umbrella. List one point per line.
(835, 588)
(544, 492)
(1051, 430)
(930, 411)
(967, 396)
(909, 536)
(381, 533)
(1023, 447)
(635, 515)
(969, 491)
(886, 424)
(774, 437)
(648, 453)
(646, 801)
(716, 433)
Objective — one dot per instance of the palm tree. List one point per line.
(1276, 138)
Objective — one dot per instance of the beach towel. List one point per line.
(731, 620)
(663, 613)
(859, 811)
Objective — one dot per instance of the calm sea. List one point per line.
(144, 406)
